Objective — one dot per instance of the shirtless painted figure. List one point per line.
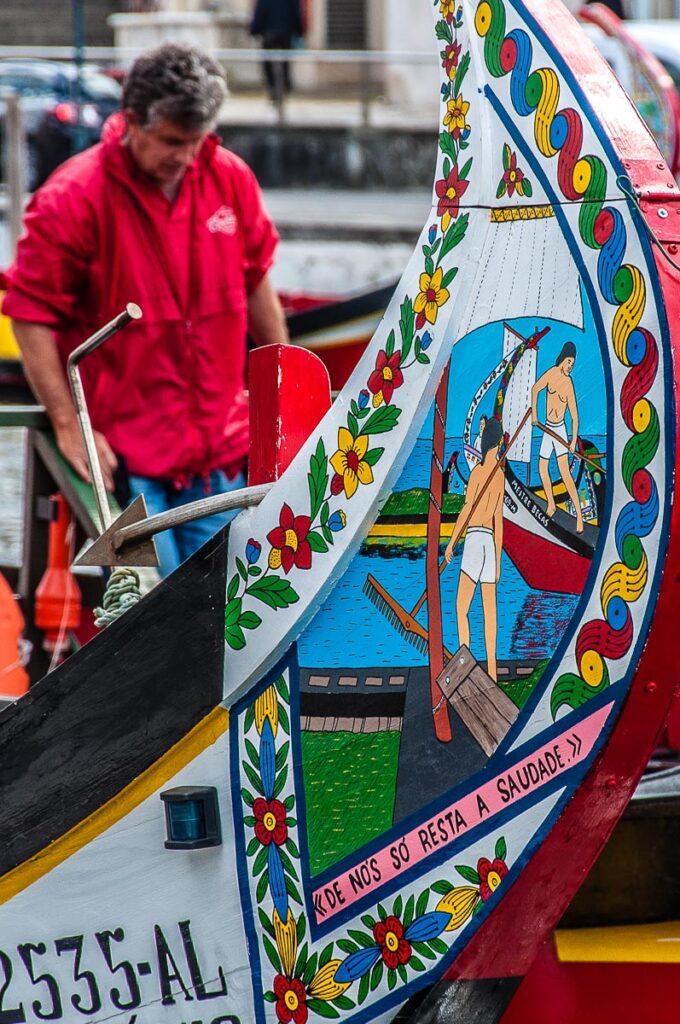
(482, 516)
(560, 397)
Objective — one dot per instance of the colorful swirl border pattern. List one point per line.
(583, 178)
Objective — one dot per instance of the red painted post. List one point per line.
(289, 395)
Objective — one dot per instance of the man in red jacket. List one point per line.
(158, 214)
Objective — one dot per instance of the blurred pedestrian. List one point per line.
(158, 214)
(278, 23)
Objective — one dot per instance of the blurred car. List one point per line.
(59, 118)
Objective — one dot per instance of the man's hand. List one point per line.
(70, 443)
(572, 446)
(448, 554)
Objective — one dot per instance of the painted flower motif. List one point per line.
(460, 903)
(449, 191)
(364, 399)
(253, 551)
(349, 463)
(338, 521)
(324, 986)
(389, 935)
(286, 940)
(386, 378)
(513, 179)
(270, 822)
(491, 874)
(291, 1000)
(450, 59)
(430, 298)
(454, 118)
(290, 546)
(432, 234)
(267, 707)
(447, 9)
(425, 341)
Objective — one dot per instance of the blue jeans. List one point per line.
(175, 546)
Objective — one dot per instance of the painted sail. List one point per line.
(361, 854)
(518, 396)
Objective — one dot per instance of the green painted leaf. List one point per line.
(243, 572)
(301, 927)
(326, 955)
(269, 997)
(398, 906)
(317, 478)
(301, 961)
(272, 953)
(310, 970)
(528, 188)
(421, 905)
(368, 921)
(389, 347)
(247, 797)
(402, 973)
(502, 189)
(281, 756)
(289, 803)
(416, 963)
(352, 424)
(442, 887)
(255, 570)
(343, 1003)
(233, 612)
(249, 820)
(252, 753)
(454, 236)
(347, 946)
(449, 276)
(261, 859)
(376, 974)
(382, 912)
(382, 421)
(322, 1009)
(507, 156)
(292, 890)
(443, 31)
(439, 946)
(291, 845)
(284, 720)
(363, 988)
(422, 358)
(316, 542)
(251, 848)
(469, 874)
(250, 620)
(446, 167)
(424, 950)
(408, 912)
(266, 923)
(282, 687)
(466, 169)
(374, 455)
(253, 778)
(501, 848)
(249, 718)
(235, 637)
(407, 326)
(232, 589)
(262, 886)
(328, 535)
(429, 266)
(281, 781)
(288, 864)
(325, 508)
(273, 591)
(361, 937)
(461, 72)
(391, 980)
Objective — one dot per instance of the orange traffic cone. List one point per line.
(57, 598)
(13, 676)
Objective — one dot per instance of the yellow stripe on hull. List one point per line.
(648, 943)
(408, 530)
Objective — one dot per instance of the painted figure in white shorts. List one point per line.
(560, 397)
(483, 515)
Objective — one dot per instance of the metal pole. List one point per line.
(131, 312)
(15, 157)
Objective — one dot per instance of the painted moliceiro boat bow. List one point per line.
(389, 765)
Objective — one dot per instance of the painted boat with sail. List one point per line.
(190, 829)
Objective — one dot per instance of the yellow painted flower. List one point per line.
(267, 707)
(286, 941)
(454, 118)
(430, 298)
(324, 986)
(459, 903)
(349, 463)
(447, 9)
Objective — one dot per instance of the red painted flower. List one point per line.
(491, 874)
(385, 378)
(290, 546)
(513, 177)
(449, 190)
(270, 822)
(291, 1000)
(451, 58)
(389, 934)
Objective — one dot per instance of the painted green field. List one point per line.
(350, 782)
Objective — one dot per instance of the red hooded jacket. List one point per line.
(168, 391)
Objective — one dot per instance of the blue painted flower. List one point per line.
(427, 927)
(277, 881)
(357, 964)
(445, 89)
(465, 134)
(364, 399)
(337, 521)
(433, 233)
(425, 341)
(268, 760)
(253, 551)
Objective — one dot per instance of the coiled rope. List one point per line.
(122, 592)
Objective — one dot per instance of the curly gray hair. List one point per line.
(176, 82)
